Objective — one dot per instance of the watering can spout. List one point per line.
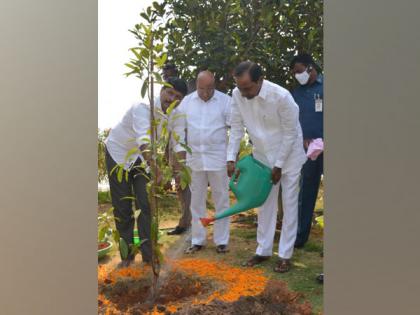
(251, 188)
(206, 221)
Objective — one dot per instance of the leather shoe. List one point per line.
(177, 231)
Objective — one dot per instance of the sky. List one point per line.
(116, 93)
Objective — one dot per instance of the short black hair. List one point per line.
(254, 70)
(178, 85)
(304, 58)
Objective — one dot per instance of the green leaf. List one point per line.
(144, 88)
(161, 61)
(102, 233)
(123, 248)
(110, 211)
(186, 147)
(120, 174)
(158, 77)
(134, 250)
(115, 236)
(128, 198)
(134, 50)
(114, 168)
(159, 47)
(144, 16)
(131, 152)
(129, 65)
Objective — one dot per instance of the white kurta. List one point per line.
(133, 128)
(207, 124)
(272, 121)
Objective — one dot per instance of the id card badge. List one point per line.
(318, 104)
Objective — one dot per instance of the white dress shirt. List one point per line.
(133, 131)
(207, 124)
(272, 121)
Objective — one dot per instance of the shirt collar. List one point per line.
(214, 97)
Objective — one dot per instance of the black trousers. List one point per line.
(123, 207)
(309, 185)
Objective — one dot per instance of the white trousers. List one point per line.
(267, 217)
(219, 184)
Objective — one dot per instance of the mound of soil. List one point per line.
(196, 287)
(133, 296)
(275, 300)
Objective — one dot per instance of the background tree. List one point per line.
(218, 34)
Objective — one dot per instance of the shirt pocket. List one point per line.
(271, 120)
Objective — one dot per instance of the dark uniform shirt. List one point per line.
(312, 121)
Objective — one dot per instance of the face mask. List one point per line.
(303, 77)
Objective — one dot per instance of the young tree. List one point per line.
(148, 57)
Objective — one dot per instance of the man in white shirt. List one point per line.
(130, 133)
(207, 119)
(271, 117)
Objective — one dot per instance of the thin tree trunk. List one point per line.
(153, 200)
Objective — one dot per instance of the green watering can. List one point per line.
(251, 188)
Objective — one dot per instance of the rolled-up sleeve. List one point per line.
(236, 131)
(141, 124)
(178, 125)
(289, 114)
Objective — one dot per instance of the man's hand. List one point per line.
(306, 143)
(275, 175)
(230, 168)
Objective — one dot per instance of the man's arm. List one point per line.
(235, 137)
(141, 126)
(289, 113)
(178, 125)
(228, 111)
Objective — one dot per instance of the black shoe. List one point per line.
(299, 245)
(177, 231)
(221, 249)
(193, 249)
(320, 278)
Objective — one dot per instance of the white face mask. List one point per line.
(303, 77)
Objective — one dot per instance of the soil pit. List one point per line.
(196, 286)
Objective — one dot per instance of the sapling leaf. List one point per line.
(123, 248)
(144, 88)
(120, 174)
(128, 198)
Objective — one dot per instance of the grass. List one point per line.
(104, 197)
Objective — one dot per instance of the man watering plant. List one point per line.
(271, 117)
(207, 113)
(131, 133)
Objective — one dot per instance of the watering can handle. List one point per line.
(232, 184)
